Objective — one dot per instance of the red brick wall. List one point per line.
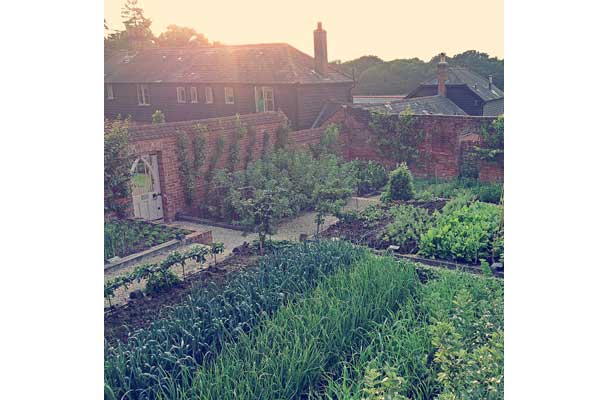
(439, 151)
(161, 139)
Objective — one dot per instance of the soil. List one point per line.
(138, 313)
(368, 233)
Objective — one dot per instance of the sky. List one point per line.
(387, 29)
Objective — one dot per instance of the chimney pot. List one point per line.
(320, 42)
(490, 82)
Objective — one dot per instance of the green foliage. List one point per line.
(328, 143)
(265, 145)
(124, 237)
(118, 159)
(401, 185)
(186, 172)
(251, 145)
(262, 214)
(446, 344)
(181, 36)
(234, 147)
(492, 148)
(157, 361)
(377, 77)
(407, 226)
(214, 157)
(395, 136)
(486, 192)
(386, 386)
(370, 174)
(158, 117)
(199, 143)
(464, 233)
(330, 197)
(146, 271)
(281, 136)
(293, 177)
(290, 353)
(161, 282)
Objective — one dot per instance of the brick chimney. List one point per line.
(320, 36)
(442, 75)
(490, 82)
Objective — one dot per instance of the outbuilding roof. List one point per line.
(275, 63)
(429, 105)
(463, 76)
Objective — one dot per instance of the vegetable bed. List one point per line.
(123, 237)
(321, 320)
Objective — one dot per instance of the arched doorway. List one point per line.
(145, 182)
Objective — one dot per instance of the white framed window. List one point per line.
(193, 94)
(181, 95)
(264, 98)
(143, 93)
(229, 98)
(208, 95)
(110, 94)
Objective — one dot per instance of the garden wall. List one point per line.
(161, 139)
(445, 137)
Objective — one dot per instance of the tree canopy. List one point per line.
(377, 77)
(181, 36)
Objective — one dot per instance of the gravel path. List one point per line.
(287, 230)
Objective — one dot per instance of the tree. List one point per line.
(181, 36)
(328, 143)
(262, 210)
(133, 15)
(117, 167)
(330, 198)
(396, 136)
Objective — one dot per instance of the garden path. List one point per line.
(287, 230)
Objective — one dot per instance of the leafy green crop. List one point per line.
(465, 233)
(408, 225)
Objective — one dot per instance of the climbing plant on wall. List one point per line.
(251, 132)
(492, 148)
(265, 145)
(199, 143)
(185, 168)
(281, 136)
(215, 156)
(396, 136)
(234, 147)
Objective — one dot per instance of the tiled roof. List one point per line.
(475, 82)
(260, 63)
(429, 105)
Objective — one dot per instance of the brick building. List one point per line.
(216, 81)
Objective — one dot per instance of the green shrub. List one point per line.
(400, 186)
(489, 193)
(464, 233)
(158, 117)
(161, 282)
(371, 176)
(408, 224)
